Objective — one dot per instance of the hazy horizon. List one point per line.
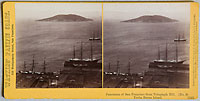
(37, 11)
(178, 11)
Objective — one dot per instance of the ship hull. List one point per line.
(169, 65)
(83, 64)
(177, 40)
(91, 39)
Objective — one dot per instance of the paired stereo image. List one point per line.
(94, 45)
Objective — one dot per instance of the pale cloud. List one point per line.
(35, 11)
(124, 11)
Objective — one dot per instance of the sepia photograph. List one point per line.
(146, 45)
(58, 45)
(93, 50)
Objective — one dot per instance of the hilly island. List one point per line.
(66, 18)
(151, 19)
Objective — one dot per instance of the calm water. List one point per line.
(137, 41)
(54, 40)
(140, 41)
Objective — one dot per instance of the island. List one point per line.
(66, 18)
(151, 19)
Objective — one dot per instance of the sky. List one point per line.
(112, 11)
(35, 11)
(125, 11)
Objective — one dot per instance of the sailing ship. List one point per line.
(81, 62)
(118, 72)
(94, 37)
(24, 68)
(168, 64)
(32, 71)
(162, 72)
(179, 38)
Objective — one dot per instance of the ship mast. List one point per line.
(109, 66)
(158, 53)
(33, 64)
(44, 68)
(91, 51)
(74, 52)
(166, 53)
(118, 69)
(81, 50)
(176, 52)
(24, 65)
(129, 67)
(179, 36)
(98, 31)
(93, 35)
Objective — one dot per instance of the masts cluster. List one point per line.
(81, 51)
(166, 54)
(33, 65)
(118, 71)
